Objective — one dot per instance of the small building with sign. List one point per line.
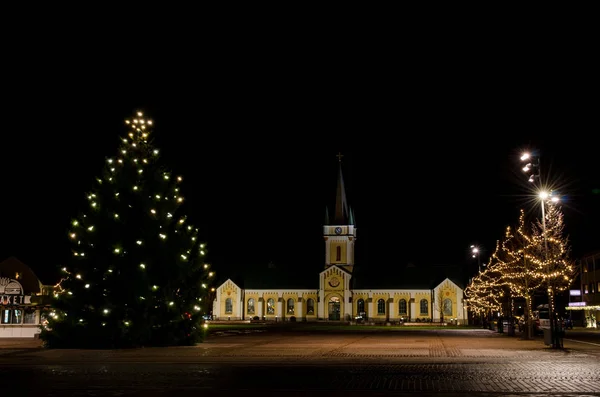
(587, 297)
(23, 300)
(343, 291)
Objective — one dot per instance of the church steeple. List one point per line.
(340, 232)
(342, 215)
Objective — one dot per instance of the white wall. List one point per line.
(19, 331)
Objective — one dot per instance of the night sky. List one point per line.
(431, 164)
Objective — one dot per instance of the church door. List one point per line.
(334, 308)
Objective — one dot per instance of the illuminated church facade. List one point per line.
(341, 294)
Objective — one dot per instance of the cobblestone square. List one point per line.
(448, 363)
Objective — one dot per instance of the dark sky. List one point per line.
(430, 155)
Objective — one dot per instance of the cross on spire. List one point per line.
(339, 156)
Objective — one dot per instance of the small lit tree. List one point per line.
(440, 303)
(483, 293)
(137, 275)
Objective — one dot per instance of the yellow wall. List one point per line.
(305, 299)
(285, 313)
(249, 296)
(333, 252)
(275, 299)
(229, 290)
(376, 298)
(355, 299)
(328, 296)
(418, 297)
(335, 273)
(449, 291)
(397, 299)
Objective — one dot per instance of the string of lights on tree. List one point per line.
(523, 264)
(137, 274)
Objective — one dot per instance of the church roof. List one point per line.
(274, 277)
(343, 213)
(406, 277)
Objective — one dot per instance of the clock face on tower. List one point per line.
(334, 282)
(338, 230)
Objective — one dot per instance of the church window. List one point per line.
(338, 253)
(228, 306)
(380, 306)
(424, 307)
(360, 307)
(447, 307)
(270, 306)
(402, 309)
(290, 306)
(310, 306)
(251, 306)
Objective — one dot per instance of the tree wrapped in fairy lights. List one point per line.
(550, 250)
(137, 275)
(550, 255)
(484, 293)
(519, 273)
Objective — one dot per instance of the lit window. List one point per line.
(290, 306)
(270, 306)
(447, 306)
(402, 307)
(360, 307)
(251, 306)
(380, 306)
(424, 307)
(228, 306)
(310, 306)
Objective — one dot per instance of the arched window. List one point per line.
(290, 306)
(228, 306)
(402, 309)
(424, 307)
(380, 306)
(360, 307)
(338, 253)
(270, 306)
(310, 306)
(251, 306)
(447, 307)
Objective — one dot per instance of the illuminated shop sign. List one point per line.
(11, 293)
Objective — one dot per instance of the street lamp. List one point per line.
(533, 168)
(475, 251)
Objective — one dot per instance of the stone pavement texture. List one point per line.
(430, 363)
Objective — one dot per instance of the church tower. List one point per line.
(339, 231)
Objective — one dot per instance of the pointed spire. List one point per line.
(326, 216)
(352, 217)
(341, 205)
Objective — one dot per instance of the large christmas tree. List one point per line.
(137, 275)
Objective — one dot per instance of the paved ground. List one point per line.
(432, 363)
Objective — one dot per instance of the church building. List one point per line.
(339, 292)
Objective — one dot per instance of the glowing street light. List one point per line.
(544, 195)
(475, 251)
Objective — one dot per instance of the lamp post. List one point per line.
(475, 251)
(533, 169)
